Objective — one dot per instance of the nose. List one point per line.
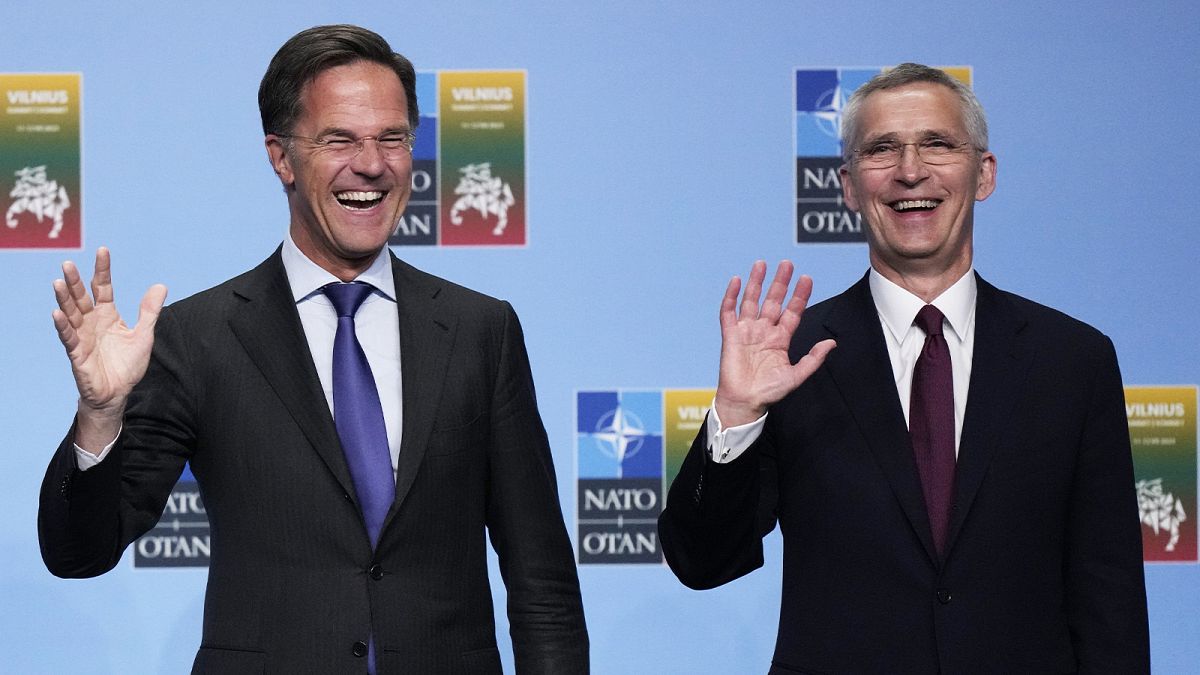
(369, 160)
(911, 169)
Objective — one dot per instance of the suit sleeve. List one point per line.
(87, 518)
(717, 514)
(1105, 582)
(525, 522)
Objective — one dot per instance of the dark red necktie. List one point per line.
(931, 423)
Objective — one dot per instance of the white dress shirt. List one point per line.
(376, 324)
(897, 309)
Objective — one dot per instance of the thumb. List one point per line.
(811, 361)
(150, 308)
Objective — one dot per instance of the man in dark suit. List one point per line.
(953, 482)
(311, 571)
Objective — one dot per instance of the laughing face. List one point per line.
(919, 214)
(345, 205)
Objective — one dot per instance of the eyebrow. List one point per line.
(922, 135)
(339, 131)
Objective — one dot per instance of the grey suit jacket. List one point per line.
(293, 583)
(1042, 571)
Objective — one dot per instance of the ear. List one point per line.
(280, 158)
(848, 195)
(987, 176)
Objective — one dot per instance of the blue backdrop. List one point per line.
(659, 164)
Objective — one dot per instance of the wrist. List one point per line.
(734, 413)
(96, 427)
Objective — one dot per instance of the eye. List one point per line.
(937, 144)
(396, 140)
(337, 142)
(880, 149)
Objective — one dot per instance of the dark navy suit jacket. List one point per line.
(293, 583)
(1043, 570)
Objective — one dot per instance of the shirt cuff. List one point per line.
(726, 445)
(85, 460)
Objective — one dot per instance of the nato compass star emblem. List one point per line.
(827, 111)
(620, 434)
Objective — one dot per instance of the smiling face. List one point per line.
(919, 216)
(344, 210)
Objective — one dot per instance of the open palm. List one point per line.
(107, 357)
(755, 370)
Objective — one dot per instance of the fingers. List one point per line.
(73, 298)
(66, 332)
(773, 304)
(790, 318)
(728, 314)
(102, 278)
(758, 271)
(77, 301)
(73, 304)
(68, 306)
(773, 308)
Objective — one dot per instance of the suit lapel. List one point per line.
(862, 372)
(268, 327)
(998, 370)
(427, 333)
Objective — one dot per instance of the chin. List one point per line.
(363, 246)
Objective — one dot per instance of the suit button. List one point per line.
(376, 571)
(360, 648)
(348, 498)
(943, 596)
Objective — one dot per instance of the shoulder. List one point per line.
(268, 283)
(267, 280)
(421, 294)
(1039, 323)
(422, 284)
(820, 311)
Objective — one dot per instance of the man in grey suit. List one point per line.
(953, 481)
(310, 571)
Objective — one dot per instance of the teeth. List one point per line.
(907, 204)
(356, 196)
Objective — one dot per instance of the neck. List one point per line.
(926, 284)
(345, 270)
(343, 267)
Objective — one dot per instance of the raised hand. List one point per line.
(755, 371)
(107, 357)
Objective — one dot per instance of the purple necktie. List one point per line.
(358, 413)
(931, 423)
(358, 416)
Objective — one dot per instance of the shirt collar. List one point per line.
(898, 307)
(306, 278)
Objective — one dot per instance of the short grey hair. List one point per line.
(911, 73)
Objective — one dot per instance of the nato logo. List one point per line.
(619, 455)
(181, 537)
(821, 94)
